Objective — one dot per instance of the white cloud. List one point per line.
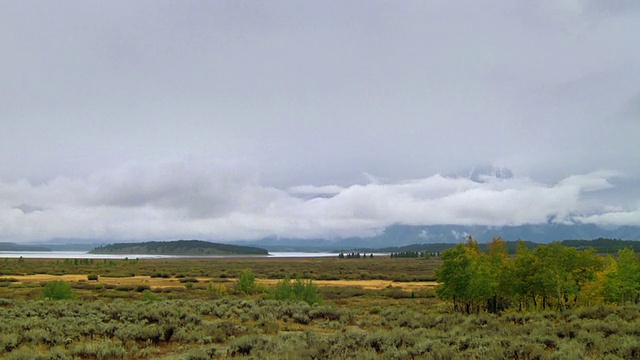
(216, 201)
(310, 190)
(613, 218)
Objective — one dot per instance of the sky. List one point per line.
(237, 120)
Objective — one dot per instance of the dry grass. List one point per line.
(172, 282)
(368, 284)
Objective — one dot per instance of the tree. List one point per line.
(496, 257)
(58, 290)
(549, 276)
(622, 285)
(454, 276)
(522, 276)
(247, 282)
(299, 290)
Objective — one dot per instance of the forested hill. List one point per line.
(604, 246)
(8, 246)
(438, 247)
(180, 247)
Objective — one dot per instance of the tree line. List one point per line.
(550, 276)
(412, 254)
(354, 255)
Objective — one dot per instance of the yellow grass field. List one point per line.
(172, 282)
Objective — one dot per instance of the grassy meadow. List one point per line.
(246, 308)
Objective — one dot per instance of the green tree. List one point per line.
(299, 290)
(458, 277)
(452, 276)
(549, 276)
(247, 282)
(58, 290)
(622, 285)
(306, 291)
(574, 269)
(496, 257)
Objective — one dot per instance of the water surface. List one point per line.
(86, 255)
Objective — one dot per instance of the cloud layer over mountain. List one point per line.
(217, 201)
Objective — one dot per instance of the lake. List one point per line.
(86, 255)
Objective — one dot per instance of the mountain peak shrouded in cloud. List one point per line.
(26, 208)
(225, 121)
(310, 191)
(484, 172)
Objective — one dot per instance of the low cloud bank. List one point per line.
(222, 202)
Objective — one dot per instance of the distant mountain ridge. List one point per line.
(9, 246)
(602, 246)
(401, 235)
(179, 247)
(480, 173)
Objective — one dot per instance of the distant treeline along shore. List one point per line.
(180, 247)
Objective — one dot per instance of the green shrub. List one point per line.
(197, 354)
(58, 290)
(299, 290)
(396, 293)
(246, 282)
(244, 345)
(268, 324)
(342, 292)
(9, 342)
(106, 349)
(216, 291)
(328, 313)
(147, 295)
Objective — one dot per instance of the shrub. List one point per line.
(216, 291)
(396, 293)
(327, 312)
(245, 344)
(142, 288)
(9, 342)
(92, 277)
(147, 295)
(246, 282)
(297, 291)
(106, 349)
(268, 324)
(58, 290)
(160, 275)
(342, 292)
(197, 354)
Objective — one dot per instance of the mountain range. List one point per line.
(392, 236)
(401, 235)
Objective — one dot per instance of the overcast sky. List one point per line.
(227, 120)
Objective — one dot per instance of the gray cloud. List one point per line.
(285, 105)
